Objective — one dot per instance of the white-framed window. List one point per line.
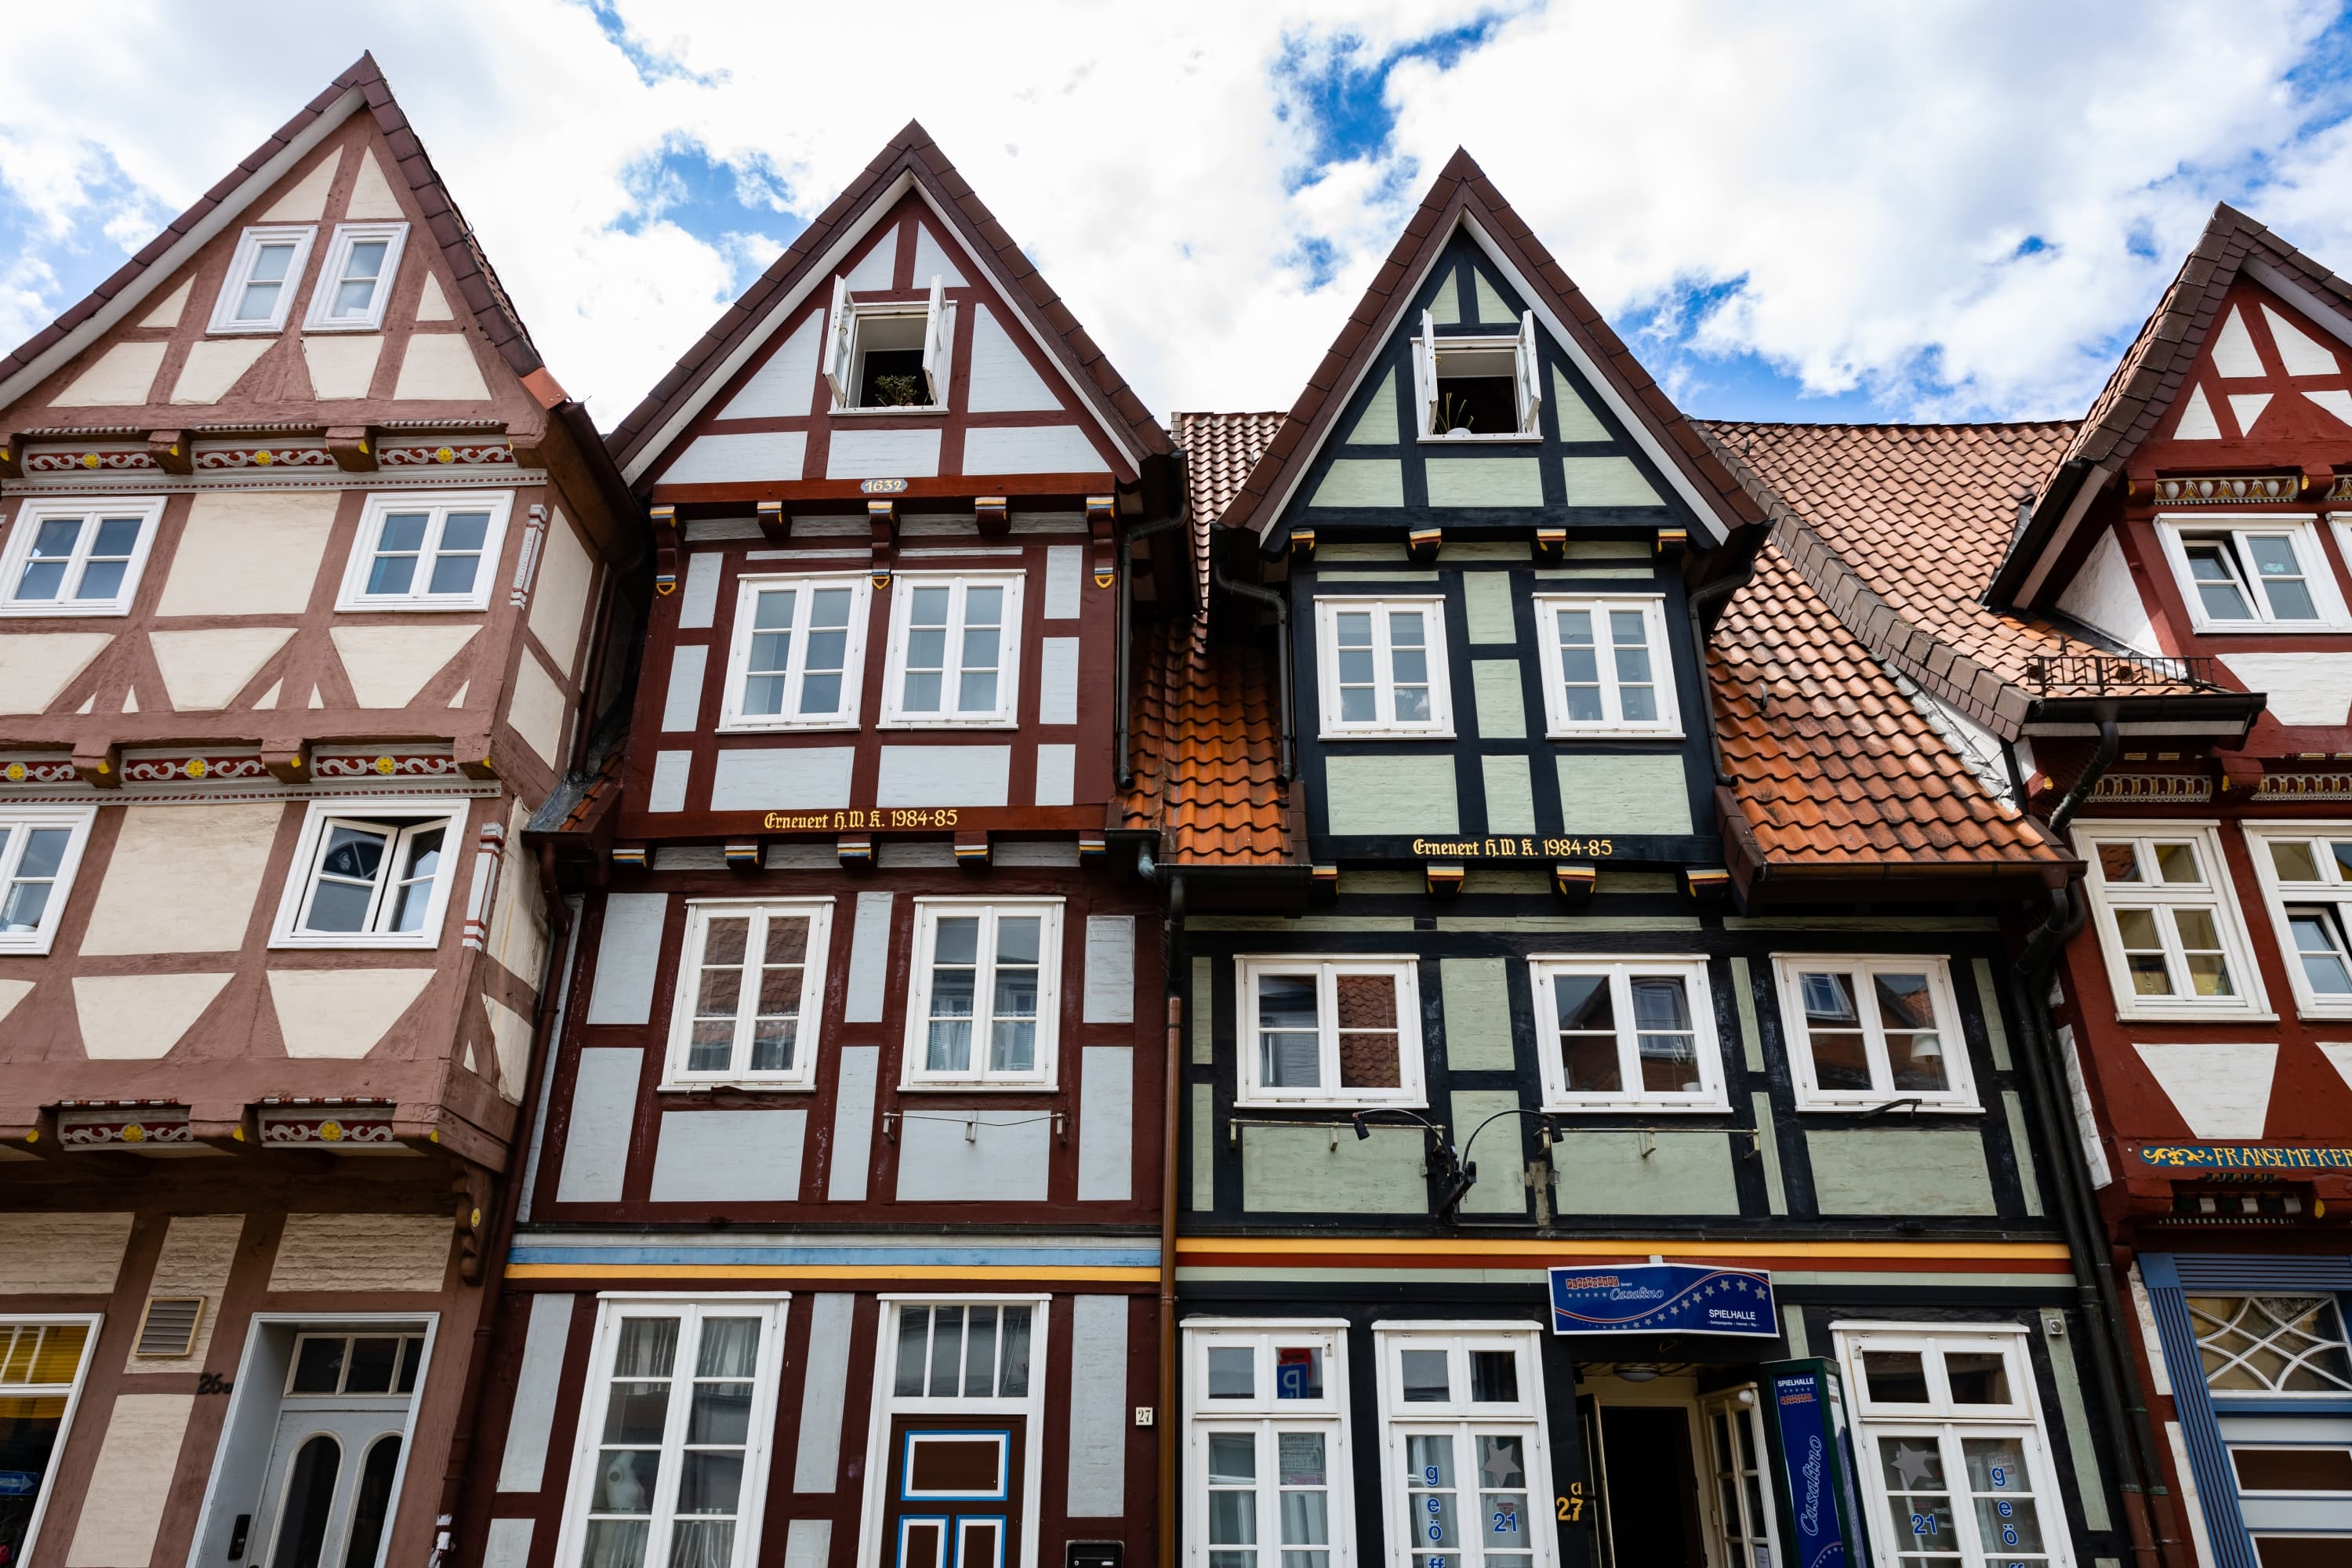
(371, 873)
(1382, 668)
(2169, 923)
(675, 1425)
(2266, 1347)
(955, 650)
(1627, 1031)
(1479, 388)
(750, 986)
(1949, 1439)
(1864, 1030)
(77, 557)
(985, 1006)
(1266, 1470)
(888, 358)
(2306, 870)
(355, 284)
(264, 271)
(1465, 1467)
(426, 551)
(1607, 669)
(40, 849)
(44, 1357)
(797, 659)
(1340, 1031)
(2253, 574)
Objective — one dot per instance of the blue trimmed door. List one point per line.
(954, 1492)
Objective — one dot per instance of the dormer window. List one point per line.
(2252, 574)
(1477, 388)
(356, 283)
(263, 274)
(884, 357)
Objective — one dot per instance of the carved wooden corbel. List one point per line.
(172, 451)
(98, 763)
(352, 447)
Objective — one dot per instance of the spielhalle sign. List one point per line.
(1663, 1299)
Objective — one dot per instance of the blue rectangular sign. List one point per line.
(1663, 1299)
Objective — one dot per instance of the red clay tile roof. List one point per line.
(1220, 449)
(911, 151)
(484, 295)
(1462, 189)
(1836, 768)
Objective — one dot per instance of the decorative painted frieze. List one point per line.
(107, 1124)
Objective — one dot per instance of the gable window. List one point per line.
(1335, 1031)
(1465, 1467)
(371, 873)
(985, 1004)
(798, 657)
(675, 1429)
(955, 644)
(1951, 1445)
(1637, 1031)
(1605, 664)
(77, 557)
(1477, 388)
(2306, 870)
(263, 273)
(355, 285)
(2252, 574)
(1864, 1031)
(884, 357)
(1267, 1472)
(2167, 924)
(751, 981)
(42, 1359)
(1382, 666)
(40, 847)
(426, 552)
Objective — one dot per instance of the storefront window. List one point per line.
(1466, 1467)
(41, 1362)
(1266, 1447)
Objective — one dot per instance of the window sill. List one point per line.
(1612, 732)
(1525, 438)
(917, 411)
(1349, 1106)
(975, 1086)
(108, 609)
(345, 329)
(411, 606)
(1857, 1108)
(1386, 736)
(947, 724)
(1646, 1107)
(256, 330)
(735, 1086)
(2269, 629)
(281, 943)
(22, 947)
(2185, 1016)
(746, 727)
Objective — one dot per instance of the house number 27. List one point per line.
(1570, 1509)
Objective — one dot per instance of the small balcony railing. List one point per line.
(2108, 673)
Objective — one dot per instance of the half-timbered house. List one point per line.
(307, 568)
(1602, 1136)
(858, 1109)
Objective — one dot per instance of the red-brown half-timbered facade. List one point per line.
(309, 574)
(853, 1142)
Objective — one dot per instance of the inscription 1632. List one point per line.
(1509, 848)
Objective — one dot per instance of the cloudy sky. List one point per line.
(1835, 210)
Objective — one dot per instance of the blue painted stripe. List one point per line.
(850, 1257)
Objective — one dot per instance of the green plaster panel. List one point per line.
(1900, 1172)
(1487, 606)
(1501, 697)
(1391, 795)
(2014, 1109)
(1204, 1014)
(1743, 990)
(1359, 578)
(1606, 1173)
(1373, 550)
(1502, 1174)
(1590, 573)
(1378, 427)
(1861, 923)
(1995, 1031)
(1204, 1148)
(1492, 311)
(1301, 1170)
(1577, 420)
(1484, 482)
(1605, 550)
(1510, 794)
(1303, 922)
(1445, 310)
(1515, 884)
(1486, 550)
(1362, 481)
(1637, 882)
(1768, 1149)
(1623, 793)
(2092, 1487)
(1477, 1013)
(1607, 482)
(1793, 1317)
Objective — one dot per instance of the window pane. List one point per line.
(1666, 1044)
(1288, 1057)
(372, 1360)
(1422, 1375)
(1918, 1500)
(318, 1364)
(614, 1543)
(397, 542)
(44, 566)
(1409, 666)
(1637, 698)
(2143, 952)
(2007, 1517)
(2292, 1344)
(1232, 1373)
(346, 882)
(2293, 860)
(955, 981)
(1915, 1048)
(1832, 1028)
(1369, 1047)
(1013, 1038)
(927, 647)
(980, 1353)
(826, 655)
(2119, 862)
(458, 557)
(413, 886)
(2178, 863)
(914, 1335)
(1978, 1377)
(1013, 1374)
(2281, 576)
(1299, 1372)
(1580, 666)
(2216, 579)
(1494, 1377)
(1359, 702)
(947, 1350)
(1894, 1377)
(2315, 944)
(1588, 1034)
(2201, 943)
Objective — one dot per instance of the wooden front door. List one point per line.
(954, 1493)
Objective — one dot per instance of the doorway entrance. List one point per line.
(327, 1487)
(1679, 1475)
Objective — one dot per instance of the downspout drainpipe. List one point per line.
(1172, 925)
(1126, 539)
(1701, 600)
(561, 955)
(2153, 1529)
(1281, 608)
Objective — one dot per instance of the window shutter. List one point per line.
(938, 343)
(169, 1328)
(1424, 373)
(837, 330)
(1531, 373)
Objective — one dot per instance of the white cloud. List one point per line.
(1864, 175)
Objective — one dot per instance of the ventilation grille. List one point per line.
(169, 1328)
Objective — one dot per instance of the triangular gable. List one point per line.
(840, 238)
(2269, 383)
(1462, 201)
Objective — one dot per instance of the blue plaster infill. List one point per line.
(740, 1255)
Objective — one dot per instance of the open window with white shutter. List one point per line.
(1486, 388)
(890, 355)
(1424, 376)
(1531, 373)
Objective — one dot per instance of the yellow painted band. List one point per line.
(817, 1271)
(1625, 1248)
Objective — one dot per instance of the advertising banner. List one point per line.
(1663, 1299)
